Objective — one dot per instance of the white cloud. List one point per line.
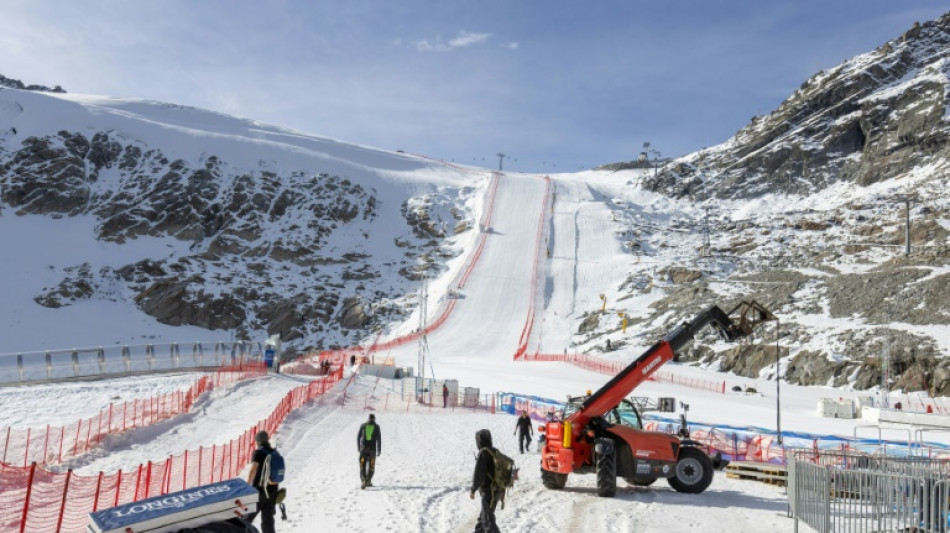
(463, 40)
(466, 38)
(510, 46)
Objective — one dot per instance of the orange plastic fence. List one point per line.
(51, 445)
(33, 499)
(602, 366)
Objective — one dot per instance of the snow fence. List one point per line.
(33, 499)
(51, 445)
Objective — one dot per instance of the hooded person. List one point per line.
(482, 483)
(369, 442)
(266, 505)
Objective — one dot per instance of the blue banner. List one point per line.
(536, 406)
(185, 504)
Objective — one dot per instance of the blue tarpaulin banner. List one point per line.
(178, 506)
(536, 406)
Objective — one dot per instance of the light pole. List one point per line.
(778, 380)
(907, 199)
(501, 156)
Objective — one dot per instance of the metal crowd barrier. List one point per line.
(846, 491)
(120, 360)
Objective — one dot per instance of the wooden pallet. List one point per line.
(764, 472)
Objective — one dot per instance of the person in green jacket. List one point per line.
(369, 442)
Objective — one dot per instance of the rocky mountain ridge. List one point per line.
(805, 209)
(271, 250)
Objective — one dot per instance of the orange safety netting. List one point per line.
(51, 445)
(33, 499)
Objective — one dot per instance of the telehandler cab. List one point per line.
(594, 435)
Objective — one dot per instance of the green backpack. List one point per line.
(504, 475)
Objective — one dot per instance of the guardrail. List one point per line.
(843, 491)
(121, 360)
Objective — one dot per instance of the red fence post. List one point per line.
(138, 483)
(118, 487)
(76, 441)
(26, 500)
(6, 445)
(148, 478)
(62, 505)
(62, 438)
(27, 450)
(214, 449)
(95, 500)
(45, 444)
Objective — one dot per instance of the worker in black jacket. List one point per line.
(524, 431)
(369, 442)
(482, 482)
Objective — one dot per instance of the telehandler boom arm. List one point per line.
(746, 315)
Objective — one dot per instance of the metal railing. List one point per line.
(119, 360)
(844, 491)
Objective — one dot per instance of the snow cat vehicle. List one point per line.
(599, 435)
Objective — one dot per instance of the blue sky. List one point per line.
(557, 85)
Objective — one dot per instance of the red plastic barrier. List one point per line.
(33, 499)
(52, 445)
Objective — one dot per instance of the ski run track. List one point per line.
(547, 256)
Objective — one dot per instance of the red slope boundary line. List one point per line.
(450, 305)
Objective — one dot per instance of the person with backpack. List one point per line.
(495, 472)
(369, 442)
(525, 432)
(267, 471)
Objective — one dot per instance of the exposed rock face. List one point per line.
(845, 149)
(869, 119)
(267, 252)
(17, 84)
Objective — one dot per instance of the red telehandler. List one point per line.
(594, 438)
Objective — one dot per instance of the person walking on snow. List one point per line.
(482, 483)
(265, 504)
(369, 442)
(445, 396)
(524, 431)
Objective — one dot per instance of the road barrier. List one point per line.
(841, 491)
(122, 360)
(33, 499)
(51, 445)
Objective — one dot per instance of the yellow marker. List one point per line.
(567, 435)
(624, 324)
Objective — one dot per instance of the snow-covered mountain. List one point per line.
(251, 229)
(198, 224)
(805, 209)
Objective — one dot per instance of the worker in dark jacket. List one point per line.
(482, 482)
(369, 442)
(266, 489)
(524, 431)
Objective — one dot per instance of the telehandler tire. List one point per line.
(693, 472)
(606, 466)
(553, 480)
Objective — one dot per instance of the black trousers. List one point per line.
(367, 465)
(524, 441)
(267, 509)
(486, 519)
